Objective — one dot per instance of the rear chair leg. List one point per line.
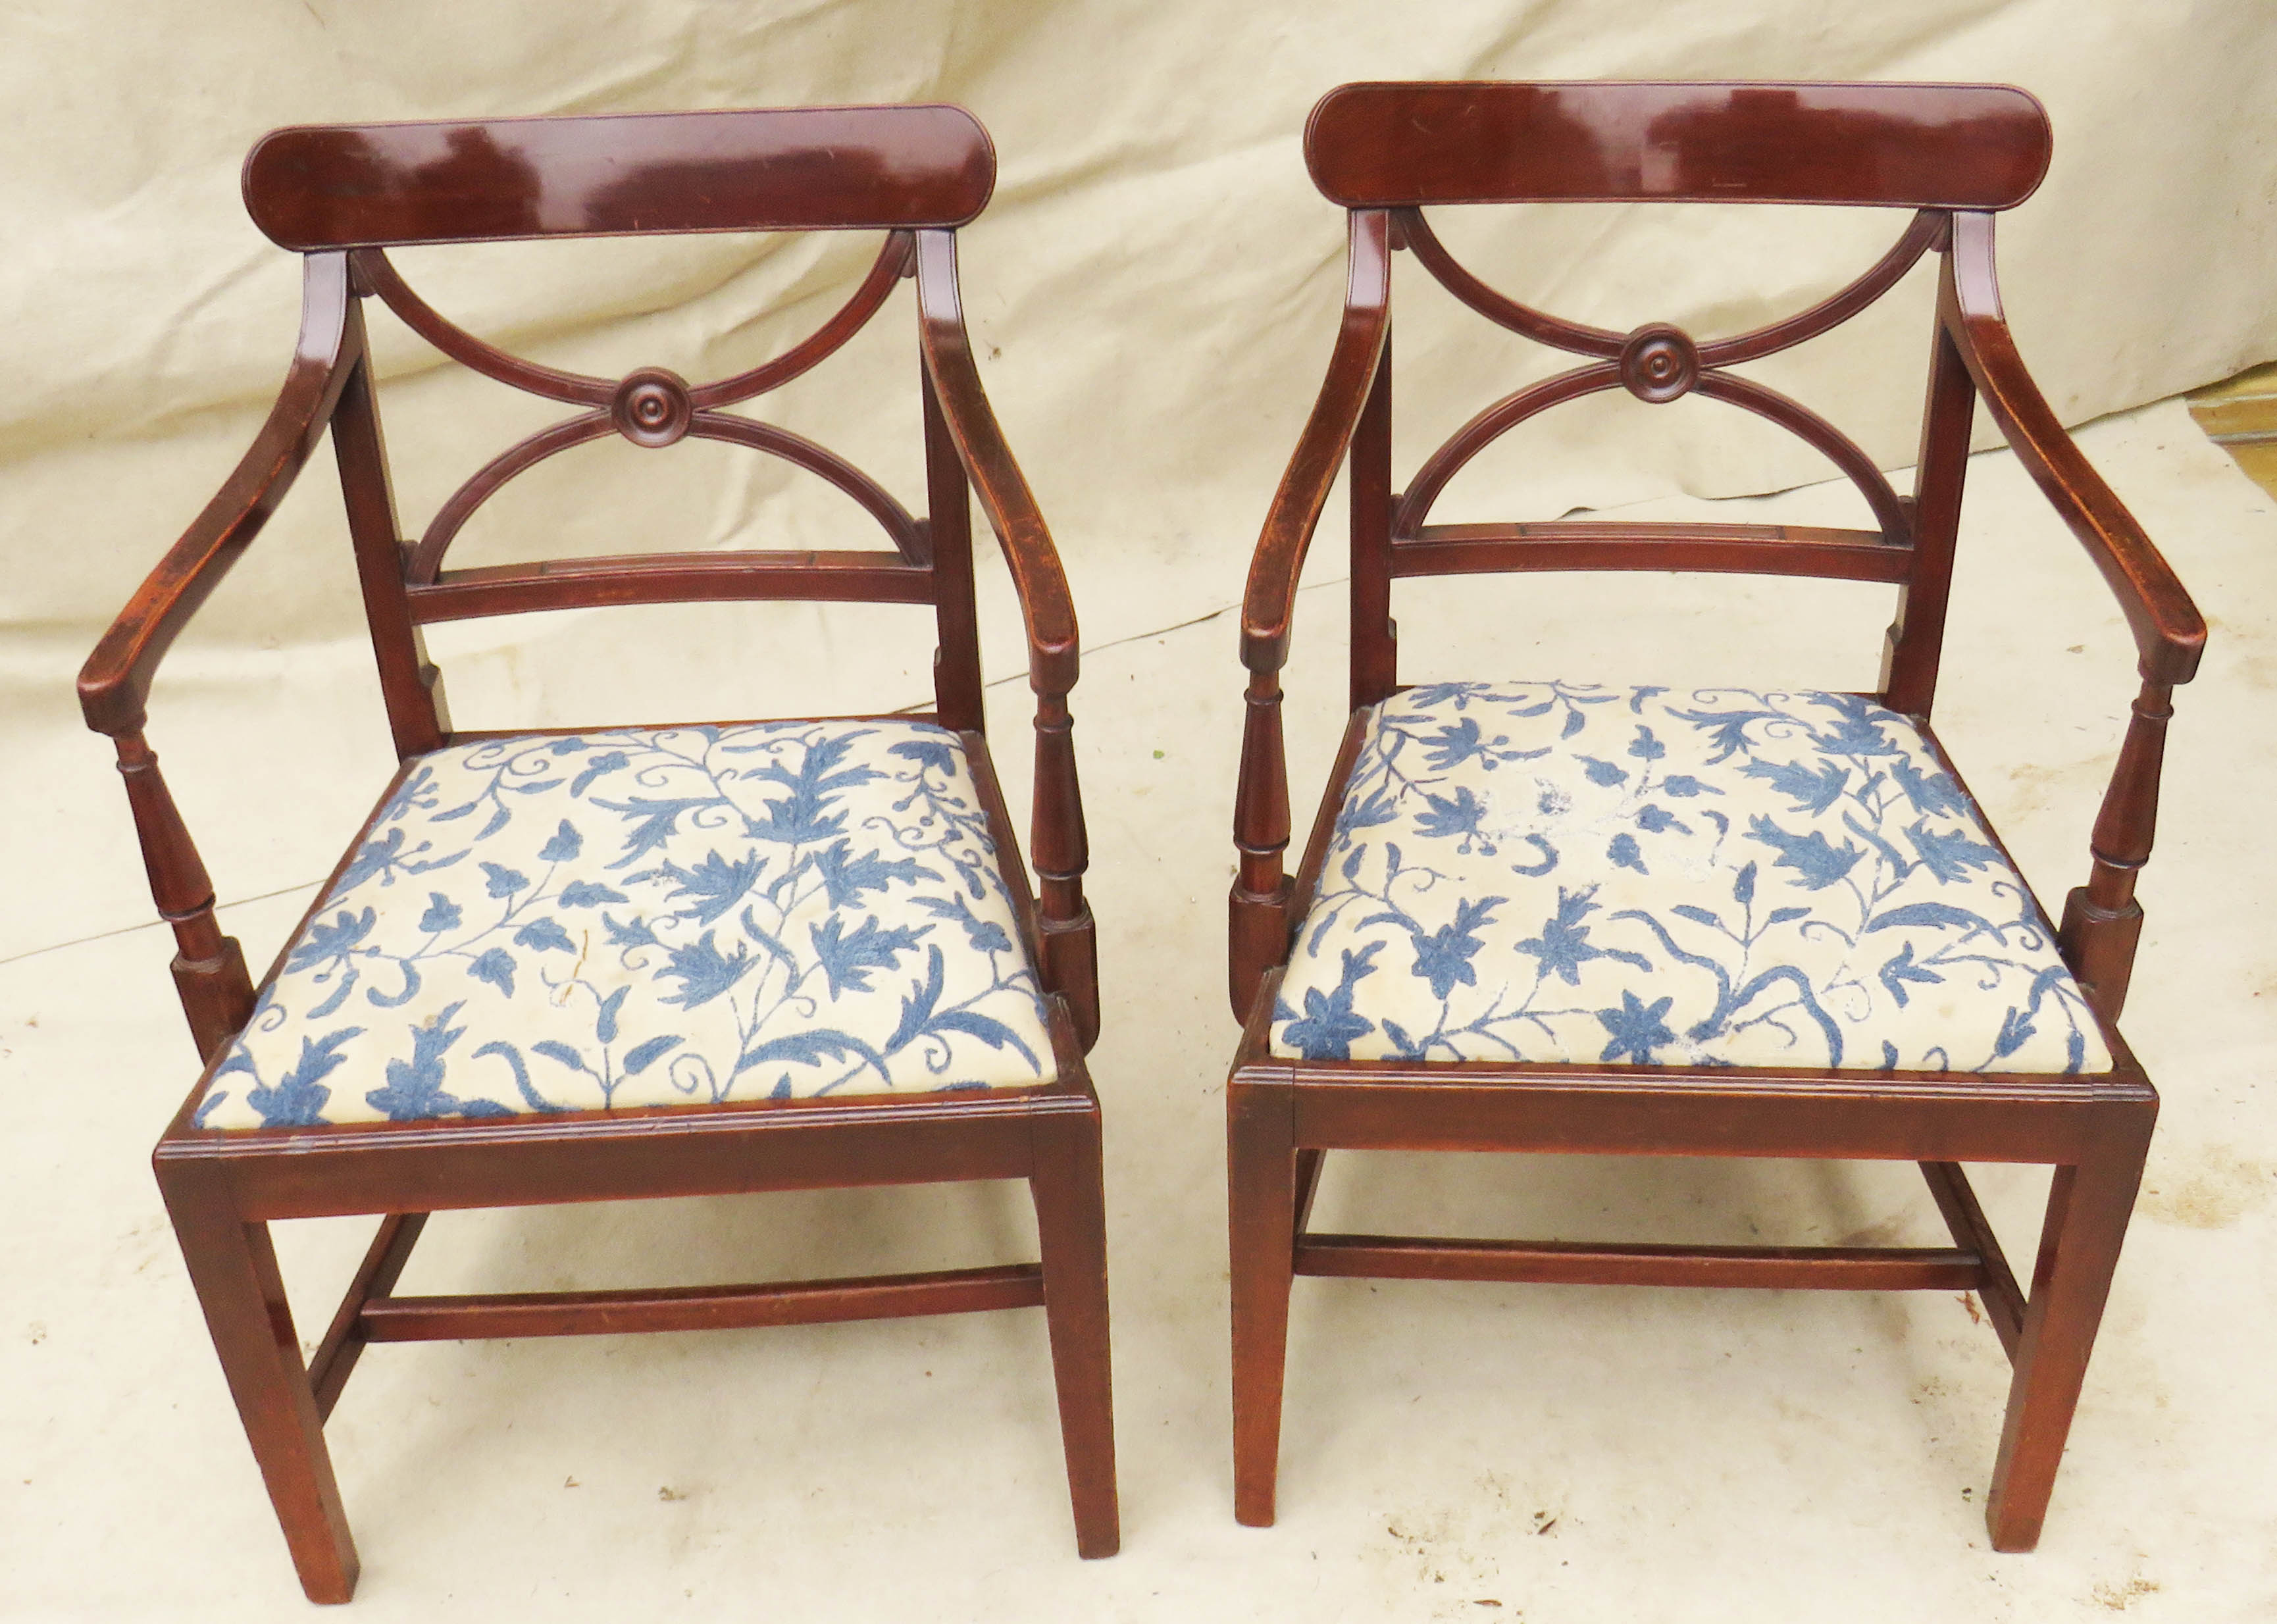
(1071, 1223)
(233, 1268)
(2088, 1209)
(1261, 1190)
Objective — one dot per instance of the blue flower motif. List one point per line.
(1636, 1028)
(1443, 957)
(1327, 1028)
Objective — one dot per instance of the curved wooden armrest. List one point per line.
(2169, 632)
(115, 683)
(1269, 603)
(1045, 604)
(1057, 844)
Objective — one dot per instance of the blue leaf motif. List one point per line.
(1644, 747)
(565, 845)
(589, 894)
(1743, 886)
(1602, 772)
(846, 879)
(1936, 915)
(1698, 916)
(607, 761)
(1625, 853)
(1932, 793)
(1949, 856)
(495, 967)
(705, 973)
(1811, 792)
(984, 935)
(332, 940)
(1819, 863)
(504, 881)
(561, 1053)
(1900, 970)
(543, 936)
(2015, 1027)
(937, 754)
(716, 884)
(442, 914)
(813, 1048)
(1451, 817)
(605, 1019)
(299, 1098)
(413, 1090)
(643, 1055)
(512, 1055)
(847, 960)
(1684, 787)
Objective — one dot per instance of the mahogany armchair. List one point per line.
(633, 962)
(1552, 916)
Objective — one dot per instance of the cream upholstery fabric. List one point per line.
(641, 917)
(1553, 871)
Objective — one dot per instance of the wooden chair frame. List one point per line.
(1954, 155)
(342, 196)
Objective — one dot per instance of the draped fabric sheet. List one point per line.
(1153, 288)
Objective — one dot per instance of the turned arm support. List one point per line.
(114, 686)
(2102, 920)
(1259, 905)
(1058, 847)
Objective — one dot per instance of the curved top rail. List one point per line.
(380, 275)
(577, 389)
(1927, 229)
(1499, 308)
(1925, 146)
(760, 169)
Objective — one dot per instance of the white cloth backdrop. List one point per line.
(1154, 288)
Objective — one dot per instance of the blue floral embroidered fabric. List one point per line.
(1564, 872)
(643, 917)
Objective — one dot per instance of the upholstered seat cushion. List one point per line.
(651, 917)
(1554, 872)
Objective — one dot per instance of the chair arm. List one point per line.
(1257, 906)
(1045, 604)
(1058, 846)
(2169, 632)
(1269, 603)
(2102, 921)
(115, 683)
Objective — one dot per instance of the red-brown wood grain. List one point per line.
(488, 180)
(1952, 153)
(1374, 145)
(325, 190)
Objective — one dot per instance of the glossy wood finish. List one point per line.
(1371, 145)
(919, 172)
(1952, 153)
(759, 169)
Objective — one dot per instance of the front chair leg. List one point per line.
(233, 1269)
(1071, 1224)
(2088, 1209)
(1262, 1194)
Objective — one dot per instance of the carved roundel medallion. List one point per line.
(652, 406)
(1659, 363)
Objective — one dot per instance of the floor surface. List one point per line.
(1452, 1451)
